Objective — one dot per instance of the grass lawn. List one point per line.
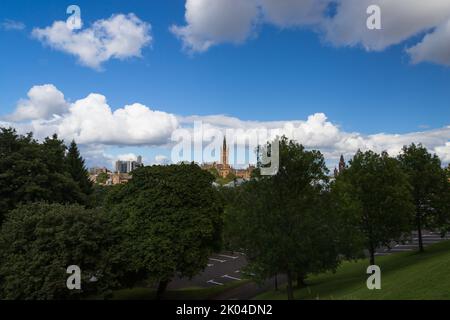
(182, 294)
(408, 275)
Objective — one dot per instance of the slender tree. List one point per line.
(59, 181)
(430, 186)
(373, 198)
(77, 168)
(279, 222)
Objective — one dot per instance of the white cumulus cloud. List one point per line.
(96, 126)
(43, 102)
(435, 47)
(210, 23)
(400, 20)
(91, 120)
(444, 152)
(318, 132)
(118, 37)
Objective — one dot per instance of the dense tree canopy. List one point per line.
(30, 172)
(373, 198)
(170, 218)
(39, 241)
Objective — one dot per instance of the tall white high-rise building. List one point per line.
(128, 166)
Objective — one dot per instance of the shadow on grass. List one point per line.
(408, 275)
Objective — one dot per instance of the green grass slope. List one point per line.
(404, 276)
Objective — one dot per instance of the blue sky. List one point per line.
(276, 74)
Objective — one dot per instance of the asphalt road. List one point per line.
(412, 245)
(222, 268)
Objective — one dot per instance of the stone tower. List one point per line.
(341, 164)
(224, 155)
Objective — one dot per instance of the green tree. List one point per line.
(102, 178)
(280, 221)
(61, 187)
(231, 176)
(170, 218)
(373, 198)
(77, 169)
(214, 172)
(430, 187)
(22, 174)
(30, 172)
(39, 241)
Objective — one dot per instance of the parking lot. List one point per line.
(428, 238)
(222, 268)
(225, 267)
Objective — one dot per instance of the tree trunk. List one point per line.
(372, 254)
(276, 282)
(300, 280)
(290, 290)
(162, 286)
(419, 232)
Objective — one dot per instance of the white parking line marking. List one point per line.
(230, 277)
(214, 282)
(238, 271)
(218, 260)
(225, 256)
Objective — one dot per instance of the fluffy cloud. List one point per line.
(317, 132)
(43, 103)
(120, 37)
(212, 22)
(444, 152)
(435, 47)
(161, 160)
(96, 127)
(92, 121)
(401, 19)
(209, 23)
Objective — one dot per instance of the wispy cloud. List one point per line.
(11, 25)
